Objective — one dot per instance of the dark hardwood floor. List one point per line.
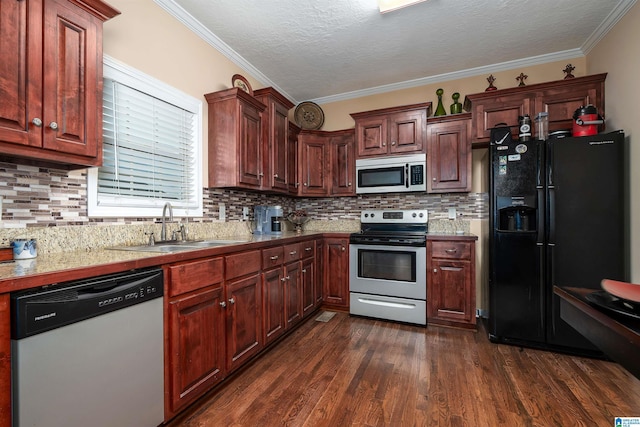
(352, 371)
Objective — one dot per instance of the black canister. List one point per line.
(524, 128)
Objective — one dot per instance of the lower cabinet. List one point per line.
(308, 286)
(244, 320)
(292, 294)
(451, 291)
(273, 304)
(336, 273)
(196, 331)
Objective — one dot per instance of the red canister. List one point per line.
(586, 121)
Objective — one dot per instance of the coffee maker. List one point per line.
(268, 219)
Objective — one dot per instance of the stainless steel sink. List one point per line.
(171, 247)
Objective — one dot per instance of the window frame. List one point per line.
(121, 207)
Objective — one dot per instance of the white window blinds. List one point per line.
(148, 150)
(151, 148)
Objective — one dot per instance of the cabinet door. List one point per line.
(273, 304)
(20, 71)
(343, 165)
(292, 293)
(487, 113)
(371, 136)
(293, 181)
(407, 132)
(244, 320)
(336, 272)
(73, 70)
(561, 103)
(319, 271)
(450, 291)
(196, 345)
(315, 165)
(278, 145)
(308, 286)
(250, 147)
(449, 157)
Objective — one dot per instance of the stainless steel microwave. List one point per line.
(391, 174)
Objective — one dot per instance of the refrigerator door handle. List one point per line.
(551, 223)
(550, 164)
(540, 215)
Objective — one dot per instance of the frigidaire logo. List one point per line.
(45, 316)
(109, 301)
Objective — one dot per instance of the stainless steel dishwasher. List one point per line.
(89, 352)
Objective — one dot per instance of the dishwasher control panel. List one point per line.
(42, 309)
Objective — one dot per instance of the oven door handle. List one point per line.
(383, 303)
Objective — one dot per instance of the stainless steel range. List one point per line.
(387, 266)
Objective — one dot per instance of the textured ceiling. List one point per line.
(327, 49)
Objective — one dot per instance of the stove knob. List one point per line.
(413, 214)
(421, 215)
(372, 215)
(366, 215)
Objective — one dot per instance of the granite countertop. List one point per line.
(56, 267)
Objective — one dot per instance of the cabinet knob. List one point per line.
(305, 184)
(384, 144)
(37, 122)
(435, 270)
(260, 174)
(349, 184)
(393, 143)
(53, 125)
(343, 249)
(273, 258)
(288, 277)
(304, 270)
(297, 184)
(293, 253)
(232, 301)
(283, 279)
(434, 179)
(223, 304)
(275, 175)
(451, 251)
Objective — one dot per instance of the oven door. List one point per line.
(395, 271)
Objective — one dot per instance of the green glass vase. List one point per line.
(456, 107)
(440, 109)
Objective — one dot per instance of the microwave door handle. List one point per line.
(406, 175)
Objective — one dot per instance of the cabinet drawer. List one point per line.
(195, 275)
(307, 249)
(292, 252)
(272, 257)
(451, 250)
(243, 263)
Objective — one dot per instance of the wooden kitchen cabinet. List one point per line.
(275, 138)
(292, 294)
(451, 293)
(236, 149)
(559, 98)
(391, 131)
(449, 154)
(343, 163)
(51, 106)
(336, 273)
(244, 319)
(273, 320)
(195, 356)
(327, 165)
(293, 162)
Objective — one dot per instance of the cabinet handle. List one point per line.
(288, 277)
(37, 122)
(53, 125)
(297, 184)
(349, 184)
(275, 175)
(308, 249)
(260, 175)
(305, 184)
(273, 258)
(451, 251)
(434, 179)
(223, 304)
(304, 270)
(343, 249)
(384, 144)
(232, 301)
(293, 253)
(435, 270)
(393, 143)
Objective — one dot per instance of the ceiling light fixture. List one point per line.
(391, 5)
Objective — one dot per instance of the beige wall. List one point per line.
(619, 55)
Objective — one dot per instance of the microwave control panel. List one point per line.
(417, 174)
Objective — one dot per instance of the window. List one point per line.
(151, 148)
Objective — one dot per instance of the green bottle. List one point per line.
(456, 107)
(440, 110)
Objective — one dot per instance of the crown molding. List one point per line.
(612, 19)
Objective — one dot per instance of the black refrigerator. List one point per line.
(557, 217)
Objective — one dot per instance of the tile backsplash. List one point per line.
(43, 197)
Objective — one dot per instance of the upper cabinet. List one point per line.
(275, 136)
(235, 140)
(249, 143)
(559, 98)
(449, 154)
(327, 163)
(391, 131)
(51, 80)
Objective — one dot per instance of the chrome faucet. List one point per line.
(163, 232)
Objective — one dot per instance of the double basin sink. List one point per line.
(178, 246)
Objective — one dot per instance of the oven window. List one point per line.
(381, 177)
(387, 265)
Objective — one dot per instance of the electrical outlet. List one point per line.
(245, 213)
(222, 212)
(452, 213)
